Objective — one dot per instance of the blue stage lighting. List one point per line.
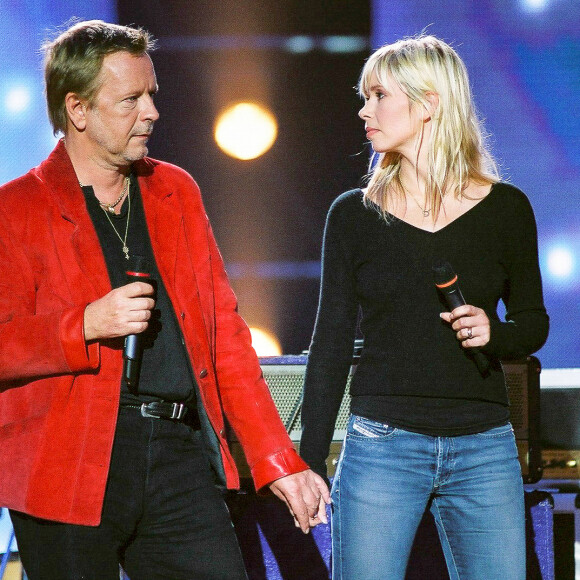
(534, 5)
(17, 100)
(560, 262)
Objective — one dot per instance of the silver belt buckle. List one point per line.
(174, 411)
(145, 413)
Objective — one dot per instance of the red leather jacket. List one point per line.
(59, 397)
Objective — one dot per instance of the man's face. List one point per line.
(121, 118)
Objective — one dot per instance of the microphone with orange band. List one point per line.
(446, 282)
(138, 271)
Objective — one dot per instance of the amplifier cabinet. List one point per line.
(560, 426)
(523, 385)
(285, 378)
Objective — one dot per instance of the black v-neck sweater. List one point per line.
(413, 372)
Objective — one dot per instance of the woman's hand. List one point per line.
(471, 325)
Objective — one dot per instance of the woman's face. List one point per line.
(392, 123)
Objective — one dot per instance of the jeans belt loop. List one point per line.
(179, 410)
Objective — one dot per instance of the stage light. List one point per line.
(560, 262)
(264, 343)
(245, 130)
(300, 44)
(344, 44)
(17, 100)
(534, 5)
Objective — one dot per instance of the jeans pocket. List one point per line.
(361, 427)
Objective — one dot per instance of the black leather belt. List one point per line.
(162, 410)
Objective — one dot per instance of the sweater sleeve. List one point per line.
(527, 323)
(331, 349)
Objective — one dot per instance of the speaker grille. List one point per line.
(516, 381)
(286, 383)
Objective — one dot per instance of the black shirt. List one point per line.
(165, 369)
(413, 373)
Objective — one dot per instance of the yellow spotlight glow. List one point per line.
(264, 343)
(245, 130)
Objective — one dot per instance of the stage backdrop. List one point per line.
(303, 60)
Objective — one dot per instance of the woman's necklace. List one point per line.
(123, 239)
(424, 210)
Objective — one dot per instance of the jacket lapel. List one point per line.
(170, 236)
(163, 213)
(58, 175)
(164, 221)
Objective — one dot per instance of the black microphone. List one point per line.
(138, 271)
(446, 282)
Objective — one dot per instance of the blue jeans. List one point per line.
(386, 478)
(163, 517)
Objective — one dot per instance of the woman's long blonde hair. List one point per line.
(457, 153)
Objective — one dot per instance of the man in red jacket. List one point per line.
(99, 468)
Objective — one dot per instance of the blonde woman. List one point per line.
(430, 426)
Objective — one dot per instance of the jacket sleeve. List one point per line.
(35, 344)
(245, 397)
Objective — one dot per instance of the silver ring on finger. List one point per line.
(469, 333)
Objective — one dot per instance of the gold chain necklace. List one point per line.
(110, 207)
(124, 239)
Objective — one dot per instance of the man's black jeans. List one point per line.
(162, 516)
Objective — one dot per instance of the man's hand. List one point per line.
(306, 495)
(125, 310)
